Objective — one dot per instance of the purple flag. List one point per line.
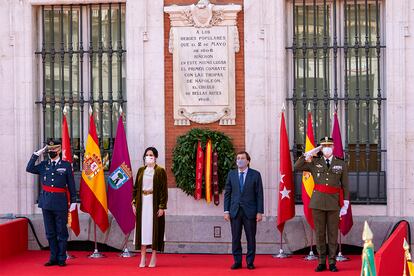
(346, 221)
(120, 182)
(336, 136)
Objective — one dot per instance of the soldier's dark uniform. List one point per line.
(54, 176)
(325, 201)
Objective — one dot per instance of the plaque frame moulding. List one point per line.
(189, 19)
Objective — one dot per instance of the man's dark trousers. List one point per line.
(56, 233)
(239, 222)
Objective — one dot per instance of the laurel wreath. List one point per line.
(184, 158)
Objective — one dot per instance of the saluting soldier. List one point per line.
(57, 188)
(329, 200)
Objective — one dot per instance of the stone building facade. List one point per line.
(263, 84)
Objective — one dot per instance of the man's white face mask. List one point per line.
(327, 151)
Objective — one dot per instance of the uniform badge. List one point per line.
(319, 166)
(337, 169)
(61, 170)
(92, 164)
(120, 176)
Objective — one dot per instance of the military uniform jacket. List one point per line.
(61, 176)
(336, 176)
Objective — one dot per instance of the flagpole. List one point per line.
(282, 254)
(96, 254)
(68, 255)
(125, 252)
(340, 257)
(311, 256)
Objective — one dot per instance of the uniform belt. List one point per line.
(147, 192)
(53, 189)
(326, 189)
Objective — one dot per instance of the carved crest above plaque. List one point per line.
(203, 40)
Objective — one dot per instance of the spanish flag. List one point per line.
(307, 179)
(92, 185)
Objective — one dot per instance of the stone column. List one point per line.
(18, 94)
(399, 131)
(145, 79)
(265, 74)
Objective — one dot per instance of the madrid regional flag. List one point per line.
(120, 182)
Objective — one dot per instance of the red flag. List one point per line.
(286, 205)
(73, 217)
(307, 180)
(346, 221)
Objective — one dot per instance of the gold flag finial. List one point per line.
(406, 247)
(65, 110)
(367, 233)
(407, 258)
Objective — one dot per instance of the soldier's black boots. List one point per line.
(332, 267)
(320, 267)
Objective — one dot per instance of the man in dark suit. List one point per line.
(243, 207)
(57, 187)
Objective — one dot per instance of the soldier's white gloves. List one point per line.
(309, 154)
(72, 207)
(344, 208)
(39, 152)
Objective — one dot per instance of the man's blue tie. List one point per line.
(241, 181)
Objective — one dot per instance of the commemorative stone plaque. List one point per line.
(203, 40)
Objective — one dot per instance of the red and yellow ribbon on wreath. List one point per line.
(199, 171)
(208, 165)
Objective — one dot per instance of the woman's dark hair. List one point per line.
(154, 151)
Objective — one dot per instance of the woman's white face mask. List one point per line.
(149, 160)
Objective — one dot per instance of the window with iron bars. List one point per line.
(336, 60)
(81, 58)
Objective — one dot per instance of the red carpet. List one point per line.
(31, 263)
